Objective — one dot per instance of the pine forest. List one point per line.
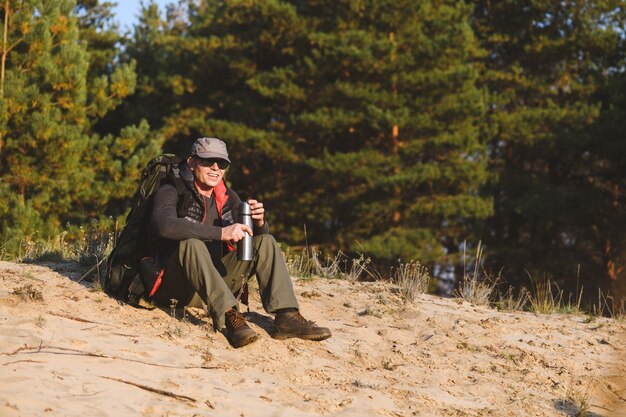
(459, 134)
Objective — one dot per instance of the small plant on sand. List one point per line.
(95, 242)
(371, 311)
(412, 279)
(28, 293)
(329, 267)
(510, 302)
(40, 321)
(577, 403)
(28, 275)
(474, 288)
(96, 286)
(542, 299)
(175, 332)
(357, 267)
(547, 298)
(310, 264)
(608, 306)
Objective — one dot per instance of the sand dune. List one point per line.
(78, 352)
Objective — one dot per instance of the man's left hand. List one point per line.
(258, 212)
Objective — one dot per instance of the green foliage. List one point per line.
(392, 128)
(360, 122)
(54, 167)
(559, 198)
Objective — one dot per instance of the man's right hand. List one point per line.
(235, 232)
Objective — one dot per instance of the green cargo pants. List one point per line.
(191, 272)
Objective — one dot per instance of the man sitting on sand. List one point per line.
(195, 231)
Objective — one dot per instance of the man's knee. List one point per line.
(264, 242)
(193, 244)
(192, 249)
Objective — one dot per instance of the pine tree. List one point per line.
(193, 75)
(604, 171)
(53, 169)
(390, 127)
(356, 119)
(544, 65)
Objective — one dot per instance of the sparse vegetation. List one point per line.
(576, 403)
(371, 311)
(28, 292)
(96, 286)
(475, 288)
(40, 321)
(87, 246)
(28, 275)
(511, 302)
(547, 298)
(607, 305)
(311, 263)
(90, 246)
(412, 279)
(175, 332)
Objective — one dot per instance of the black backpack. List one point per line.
(122, 278)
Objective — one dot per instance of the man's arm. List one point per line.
(168, 225)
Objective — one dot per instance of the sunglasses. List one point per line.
(208, 162)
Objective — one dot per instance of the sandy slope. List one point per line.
(80, 353)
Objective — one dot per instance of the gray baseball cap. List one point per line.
(209, 148)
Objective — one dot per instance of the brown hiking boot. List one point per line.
(238, 332)
(292, 324)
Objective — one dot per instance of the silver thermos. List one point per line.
(244, 246)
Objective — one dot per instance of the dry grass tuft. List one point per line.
(547, 298)
(475, 288)
(609, 306)
(412, 279)
(40, 321)
(311, 263)
(510, 302)
(371, 311)
(576, 403)
(28, 293)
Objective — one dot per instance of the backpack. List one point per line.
(122, 279)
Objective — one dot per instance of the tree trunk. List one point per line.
(4, 49)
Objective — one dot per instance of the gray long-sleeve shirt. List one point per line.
(168, 225)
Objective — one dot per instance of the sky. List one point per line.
(127, 11)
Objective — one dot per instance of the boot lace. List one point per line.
(298, 317)
(236, 319)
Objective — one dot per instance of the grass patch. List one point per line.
(509, 301)
(475, 287)
(40, 322)
(576, 403)
(547, 298)
(88, 246)
(27, 292)
(311, 263)
(175, 332)
(371, 311)
(85, 245)
(96, 286)
(412, 279)
(608, 306)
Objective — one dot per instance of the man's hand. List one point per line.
(235, 232)
(258, 212)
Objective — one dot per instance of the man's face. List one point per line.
(208, 172)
